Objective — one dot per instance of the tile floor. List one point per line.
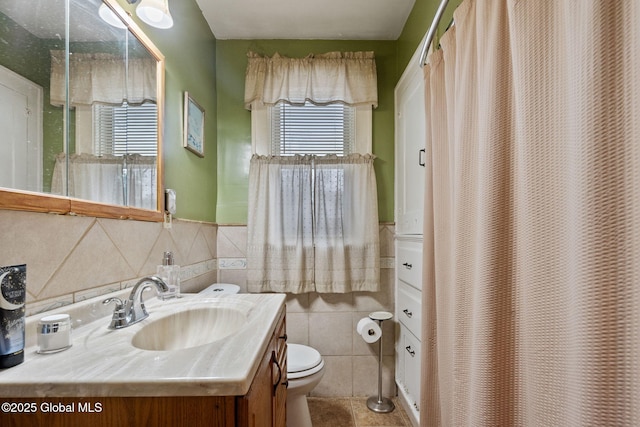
(352, 412)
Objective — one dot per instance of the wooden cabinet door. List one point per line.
(255, 408)
(280, 380)
(265, 403)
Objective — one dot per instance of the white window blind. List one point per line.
(312, 129)
(126, 129)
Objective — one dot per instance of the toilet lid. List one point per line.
(301, 358)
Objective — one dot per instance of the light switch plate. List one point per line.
(170, 201)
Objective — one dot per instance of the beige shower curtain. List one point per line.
(532, 273)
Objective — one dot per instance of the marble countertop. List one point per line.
(103, 362)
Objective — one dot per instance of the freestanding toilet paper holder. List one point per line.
(378, 403)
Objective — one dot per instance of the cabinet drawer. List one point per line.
(409, 307)
(412, 364)
(409, 263)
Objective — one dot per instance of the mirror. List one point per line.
(81, 107)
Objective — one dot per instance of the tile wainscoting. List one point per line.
(73, 258)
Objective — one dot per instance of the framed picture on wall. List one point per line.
(193, 126)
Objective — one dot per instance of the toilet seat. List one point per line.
(302, 361)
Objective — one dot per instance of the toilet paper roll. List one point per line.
(369, 330)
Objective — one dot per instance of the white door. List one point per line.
(21, 124)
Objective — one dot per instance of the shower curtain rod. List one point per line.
(432, 32)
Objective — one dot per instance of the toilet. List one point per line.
(305, 368)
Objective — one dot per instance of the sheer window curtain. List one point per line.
(531, 294)
(101, 179)
(312, 220)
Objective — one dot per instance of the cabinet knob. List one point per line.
(421, 162)
(408, 266)
(283, 337)
(410, 351)
(408, 313)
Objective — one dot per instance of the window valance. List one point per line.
(102, 78)
(348, 77)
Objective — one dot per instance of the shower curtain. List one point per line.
(532, 266)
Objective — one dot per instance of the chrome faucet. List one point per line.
(133, 310)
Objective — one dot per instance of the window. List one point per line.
(313, 223)
(126, 129)
(312, 220)
(312, 129)
(284, 129)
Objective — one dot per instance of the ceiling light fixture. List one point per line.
(154, 12)
(110, 17)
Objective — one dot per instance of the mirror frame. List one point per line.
(43, 202)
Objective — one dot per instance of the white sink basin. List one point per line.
(105, 362)
(189, 328)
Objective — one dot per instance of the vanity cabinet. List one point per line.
(264, 405)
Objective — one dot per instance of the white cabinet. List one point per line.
(411, 359)
(409, 260)
(410, 152)
(412, 167)
(409, 315)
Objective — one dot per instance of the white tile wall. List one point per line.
(328, 321)
(72, 258)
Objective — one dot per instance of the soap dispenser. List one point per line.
(170, 273)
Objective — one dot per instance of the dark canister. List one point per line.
(13, 289)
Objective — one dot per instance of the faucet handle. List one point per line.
(118, 301)
(119, 319)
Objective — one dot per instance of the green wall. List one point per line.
(190, 51)
(234, 122)
(215, 188)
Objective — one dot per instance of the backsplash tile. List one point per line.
(71, 258)
(42, 241)
(134, 240)
(94, 292)
(232, 263)
(48, 304)
(94, 261)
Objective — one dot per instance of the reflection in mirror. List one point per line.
(84, 100)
